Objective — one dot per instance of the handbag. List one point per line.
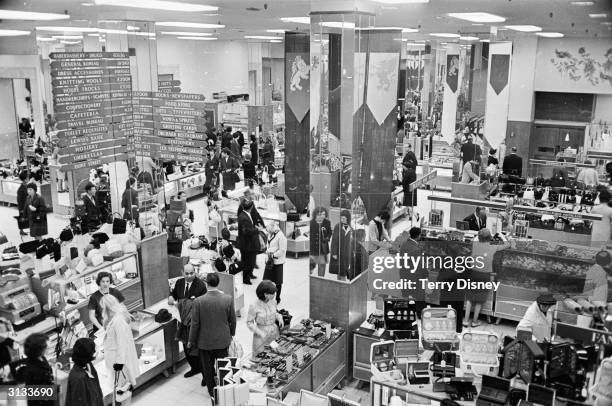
(119, 225)
(122, 388)
(235, 178)
(263, 242)
(269, 265)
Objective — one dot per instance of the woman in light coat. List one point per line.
(277, 249)
(119, 348)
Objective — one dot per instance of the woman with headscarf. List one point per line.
(83, 382)
(342, 244)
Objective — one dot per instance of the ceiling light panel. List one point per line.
(68, 37)
(31, 16)
(445, 35)
(297, 20)
(402, 1)
(182, 24)
(338, 24)
(260, 37)
(158, 5)
(469, 38)
(13, 33)
(478, 17)
(188, 34)
(524, 28)
(598, 15)
(66, 29)
(550, 34)
(277, 30)
(199, 38)
(582, 3)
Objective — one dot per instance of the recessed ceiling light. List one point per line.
(188, 34)
(199, 38)
(524, 28)
(478, 17)
(469, 38)
(276, 30)
(445, 35)
(13, 33)
(158, 5)
(402, 1)
(45, 39)
(581, 3)
(485, 40)
(93, 35)
(181, 24)
(87, 4)
(550, 34)
(276, 41)
(66, 29)
(69, 37)
(606, 23)
(297, 20)
(598, 15)
(70, 42)
(260, 37)
(31, 16)
(338, 24)
(133, 28)
(409, 30)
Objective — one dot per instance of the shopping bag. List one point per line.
(235, 349)
(119, 226)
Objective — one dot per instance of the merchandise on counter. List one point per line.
(439, 329)
(478, 352)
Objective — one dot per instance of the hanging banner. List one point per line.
(452, 71)
(451, 82)
(359, 82)
(297, 70)
(498, 93)
(500, 71)
(382, 84)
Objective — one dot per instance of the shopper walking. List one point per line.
(92, 216)
(22, 207)
(410, 159)
(263, 319)
(475, 298)
(103, 280)
(320, 234)
(342, 246)
(213, 324)
(410, 197)
(254, 147)
(36, 209)
(212, 166)
(248, 168)
(185, 291)
(228, 166)
(248, 239)
(119, 349)
(34, 369)
(267, 154)
(129, 200)
(83, 382)
(277, 251)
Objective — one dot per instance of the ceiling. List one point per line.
(551, 15)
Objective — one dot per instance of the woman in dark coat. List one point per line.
(212, 167)
(129, 201)
(248, 168)
(35, 370)
(254, 147)
(83, 382)
(342, 245)
(409, 176)
(320, 233)
(91, 208)
(22, 198)
(37, 212)
(267, 154)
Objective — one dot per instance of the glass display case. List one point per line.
(382, 392)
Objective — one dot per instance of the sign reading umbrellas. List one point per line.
(93, 109)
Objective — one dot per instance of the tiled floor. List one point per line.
(176, 390)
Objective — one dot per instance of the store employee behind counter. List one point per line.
(538, 319)
(103, 280)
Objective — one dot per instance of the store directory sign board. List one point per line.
(92, 100)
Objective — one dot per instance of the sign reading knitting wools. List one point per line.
(92, 101)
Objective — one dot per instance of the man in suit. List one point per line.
(228, 166)
(226, 138)
(412, 248)
(470, 151)
(91, 208)
(477, 220)
(249, 225)
(513, 164)
(213, 324)
(185, 291)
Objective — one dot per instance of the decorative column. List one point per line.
(297, 118)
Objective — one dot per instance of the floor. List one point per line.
(179, 391)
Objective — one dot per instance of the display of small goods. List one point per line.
(442, 154)
(439, 329)
(280, 361)
(18, 303)
(193, 181)
(478, 352)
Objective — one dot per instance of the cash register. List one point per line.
(18, 303)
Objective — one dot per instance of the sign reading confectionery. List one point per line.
(92, 102)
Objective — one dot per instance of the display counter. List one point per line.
(9, 187)
(301, 362)
(192, 184)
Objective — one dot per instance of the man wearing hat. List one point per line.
(513, 164)
(538, 317)
(228, 166)
(185, 291)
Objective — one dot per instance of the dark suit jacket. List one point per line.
(248, 235)
(213, 321)
(231, 163)
(197, 289)
(129, 199)
(513, 165)
(93, 213)
(22, 197)
(236, 149)
(471, 219)
(410, 159)
(248, 167)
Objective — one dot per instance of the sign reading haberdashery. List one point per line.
(92, 103)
